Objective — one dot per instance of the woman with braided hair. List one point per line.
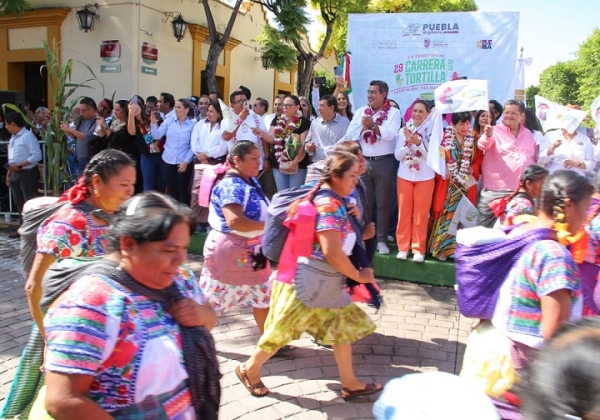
(543, 289)
(128, 336)
(77, 229)
(521, 201)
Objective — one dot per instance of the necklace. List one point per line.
(282, 130)
(460, 170)
(413, 160)
(369, 135)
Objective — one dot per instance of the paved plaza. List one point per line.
(419, 329)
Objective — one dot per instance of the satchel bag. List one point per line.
(318, 285)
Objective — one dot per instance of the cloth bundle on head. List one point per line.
(433, 396)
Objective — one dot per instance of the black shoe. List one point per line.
(14, 235)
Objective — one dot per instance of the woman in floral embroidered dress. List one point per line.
(288, 134)
(463, 168)
(235, 274)
(415, 184)
(76, 230)
(114, 351)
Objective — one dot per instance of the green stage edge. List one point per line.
(432, 271)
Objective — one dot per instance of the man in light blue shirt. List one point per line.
(24, 153)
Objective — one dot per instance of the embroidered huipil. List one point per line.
(126, 341)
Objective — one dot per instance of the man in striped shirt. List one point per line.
(326, 130)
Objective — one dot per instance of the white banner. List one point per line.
(595, 108)
(414, 53)
(462, 96)
(553, 115)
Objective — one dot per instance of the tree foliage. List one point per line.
(340, 30)
(576, 81)
(588, 67)
(14, 7)
(559, 83)
(530, 93)
(286, 44)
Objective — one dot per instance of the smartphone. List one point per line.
(157, 115)
(337, 70)
(134, 100)
(320, 80)
(7, 166)
(246, 105)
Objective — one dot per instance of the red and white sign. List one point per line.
(149, 53)
(110, 51)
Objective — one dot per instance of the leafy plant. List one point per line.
(62, 90)
(13, 7)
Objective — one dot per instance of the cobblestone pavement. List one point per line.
(419, 329)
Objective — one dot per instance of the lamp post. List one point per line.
(179, 27)
(87, 16)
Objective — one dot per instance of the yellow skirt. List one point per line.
(289, 318)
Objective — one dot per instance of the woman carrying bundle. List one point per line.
(543, 289)
(327, 314)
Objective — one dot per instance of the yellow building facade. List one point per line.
(137, 24)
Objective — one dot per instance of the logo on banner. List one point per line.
(542, 111)
(427, 42)
(430, 29)
(484, 44)
(412, 29)
(462, 95)
(440, 28)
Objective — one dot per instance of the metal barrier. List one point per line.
(12, 212)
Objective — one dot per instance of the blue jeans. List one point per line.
(284, 181)
(81, 164)
(151, 174)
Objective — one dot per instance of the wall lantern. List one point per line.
(266, 62)
(87, 16)
(179, 27)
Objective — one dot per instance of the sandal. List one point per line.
(258, 389)
(370, 388)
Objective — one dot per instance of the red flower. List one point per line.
(74, 239)
(66, 252)
(79, 223)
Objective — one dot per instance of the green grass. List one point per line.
(432, 271)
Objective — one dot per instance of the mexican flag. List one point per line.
(345, 65)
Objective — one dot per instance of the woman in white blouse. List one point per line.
(415, 184)
(209, 148)
(208, 144)
(563, 150)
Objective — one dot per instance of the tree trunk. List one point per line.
(306, 66)
(210, 73)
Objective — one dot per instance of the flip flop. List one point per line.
(370, 388)
(258, 389)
